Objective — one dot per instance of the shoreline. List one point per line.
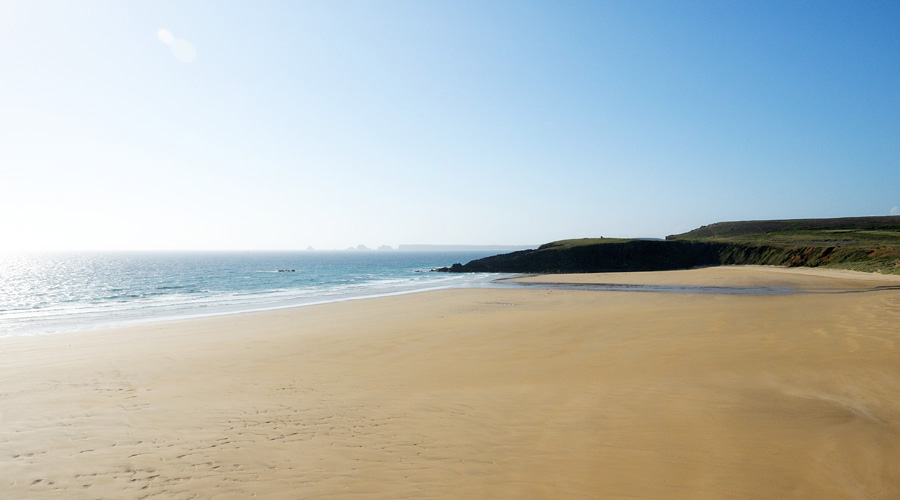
(797, 279)
(653, 281)
(134, 319)
(472, 393)
(151, 320)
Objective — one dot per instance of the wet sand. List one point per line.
(487, 393)
(804, 280)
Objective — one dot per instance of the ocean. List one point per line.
(56, 292)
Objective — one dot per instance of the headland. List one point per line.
(856, 243)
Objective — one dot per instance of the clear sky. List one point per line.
(280, 125)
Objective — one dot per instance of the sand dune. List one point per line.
(475, 394)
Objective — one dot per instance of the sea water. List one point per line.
(53, 292)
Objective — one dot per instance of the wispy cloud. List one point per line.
(183, 50)
(895, 211)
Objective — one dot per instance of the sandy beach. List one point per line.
(483, 393)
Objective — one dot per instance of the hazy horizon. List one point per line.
(381, 248)
(283, 125)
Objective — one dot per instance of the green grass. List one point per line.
(581, 242)
(869, 244)
(861, 229)
(810, 237)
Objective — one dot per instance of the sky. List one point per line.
(217, 125)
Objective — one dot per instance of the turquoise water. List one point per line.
(41, 293)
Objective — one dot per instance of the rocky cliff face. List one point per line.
(633, 255)
(640, 255)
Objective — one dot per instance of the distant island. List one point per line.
(429, 248)
(460, 248)
(869, 244)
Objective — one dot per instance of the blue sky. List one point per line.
(280, 125)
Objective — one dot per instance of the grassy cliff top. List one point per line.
(848, 231)
(581, 242)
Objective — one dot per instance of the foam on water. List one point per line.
(41, 293)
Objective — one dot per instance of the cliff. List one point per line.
(863, 243)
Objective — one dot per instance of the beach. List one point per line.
(476, 393)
